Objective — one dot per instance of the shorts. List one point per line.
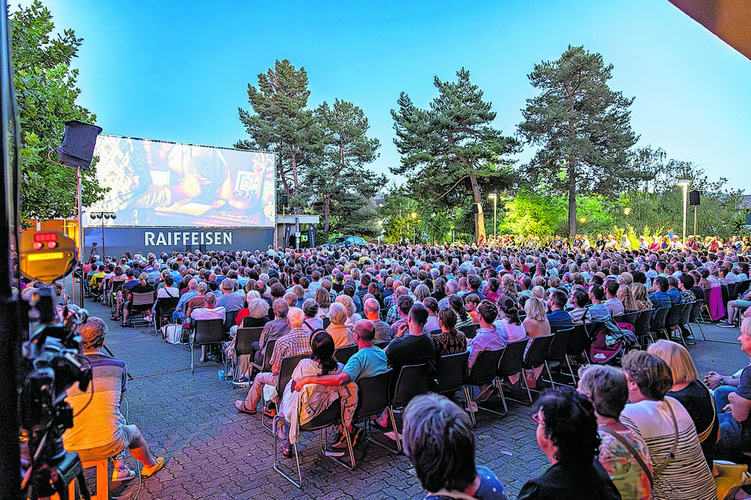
(128, 434)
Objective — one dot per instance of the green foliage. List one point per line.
(582, 126)
(46, 93)
(339, 177)
(534, 214)
(283, 124)
(450, 151)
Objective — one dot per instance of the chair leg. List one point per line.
(550, 375)
(499, 388)
(192, 355)
(396, 430)
(351, 465)
(523, 378)
(570, 369)
(468, 399)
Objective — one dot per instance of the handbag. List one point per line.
(173, 333)
(631, 450)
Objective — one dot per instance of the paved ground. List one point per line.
(213, 451)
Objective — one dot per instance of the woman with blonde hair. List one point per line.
(641, 296)
(690, 391)
(508, 286)
(536, 324)
(625, 279)
(627, 299)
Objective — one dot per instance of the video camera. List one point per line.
(52, 363)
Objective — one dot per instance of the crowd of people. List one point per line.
(652, 424)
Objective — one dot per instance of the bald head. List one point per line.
(371, 308)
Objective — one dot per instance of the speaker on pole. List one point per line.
(78, 144)
(694, 198)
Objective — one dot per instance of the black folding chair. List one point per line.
(451, 372)
(328, 418)
(642, 327)
(695, 317)
(206, 332)
(244, 339)
(483, 372)
(372, 400)
(657, 324)
(164, 308)
(141, 302)
(557, 352)
(413, 380)
(266, 365)
(673, 319)
(535, 357)
(286, 368)
(510, 364)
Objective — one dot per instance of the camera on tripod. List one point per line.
(52, 363)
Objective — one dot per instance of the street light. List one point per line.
(494, 197)
(627, 211)
(684, 183)
(414, 229)
(583, 220)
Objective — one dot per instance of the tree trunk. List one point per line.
(326, 203)
(571, 200)
(479, 217)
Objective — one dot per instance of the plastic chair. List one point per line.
(413, 380)
(451, 372)
(229, 320)
(483, 372)
(557, 352)
(329, 417)
(510, 364)
(642, 327)
(207, 332)
(343, 354)
(578, 345)
(286, 368)
(657, 323)
(144, 301)
(695, 316)
(164, 308)
(102, 482)
(629, 318)
(469, 331)
(266, 365)
(244, 339)
(535, 357)
(673, 318)
(372, 400)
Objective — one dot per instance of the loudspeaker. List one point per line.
(477, 208)
(694, 198)
(78, 144)
(284, 200)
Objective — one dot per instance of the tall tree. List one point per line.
(281, 123)
(341, 172)
(583, 128)
(46, 93)
(447, 149)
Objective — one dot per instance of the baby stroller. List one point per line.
(609, 341)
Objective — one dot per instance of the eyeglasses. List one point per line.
(536, 418)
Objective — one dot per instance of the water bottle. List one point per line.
(221, 374)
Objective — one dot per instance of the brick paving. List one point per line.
(213, 451)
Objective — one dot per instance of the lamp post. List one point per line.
(103, 216)
(414, 228)
(684, 183)
(494, 197)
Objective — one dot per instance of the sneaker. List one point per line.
(725, 325)
(122, 474)
(471, 407)
(331, 452)
(241, 382)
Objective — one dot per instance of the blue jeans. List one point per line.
(731, 444)
(721, 396)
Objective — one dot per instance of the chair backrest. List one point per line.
(594, 328)
(326, 322)
(270, 344)
(244, 339)
(435, 332)
(484, 368)
(382, 313)
(685, 315)
(696, 311)
(674, 315)
(538, 350)
(413, 380)
(630, 318)
(451, 372)
(643, 320)
(469, 331)
(167, 306)
(142, 298)
(117, 285)
(619, 319)
(229, 319)
(343, 354)
(209, 331)
(578, 342)
(373, 394)
(332, 415)
(741, 288)
(512, 359)
(557, 349)
(286, 368)
(732, 291)
(658, 319)
(382, 345)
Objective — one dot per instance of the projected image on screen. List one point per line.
(155, 183)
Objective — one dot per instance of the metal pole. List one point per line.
(104, 253)
(685, 202)
(695, 220)
(495, 222)
(80, 235)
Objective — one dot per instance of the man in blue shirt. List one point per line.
(659, 296)
(559, 318)
(673, 292)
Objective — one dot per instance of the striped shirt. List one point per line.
(687, 476)
(295, 343)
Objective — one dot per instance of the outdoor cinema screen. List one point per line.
(154, 183)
